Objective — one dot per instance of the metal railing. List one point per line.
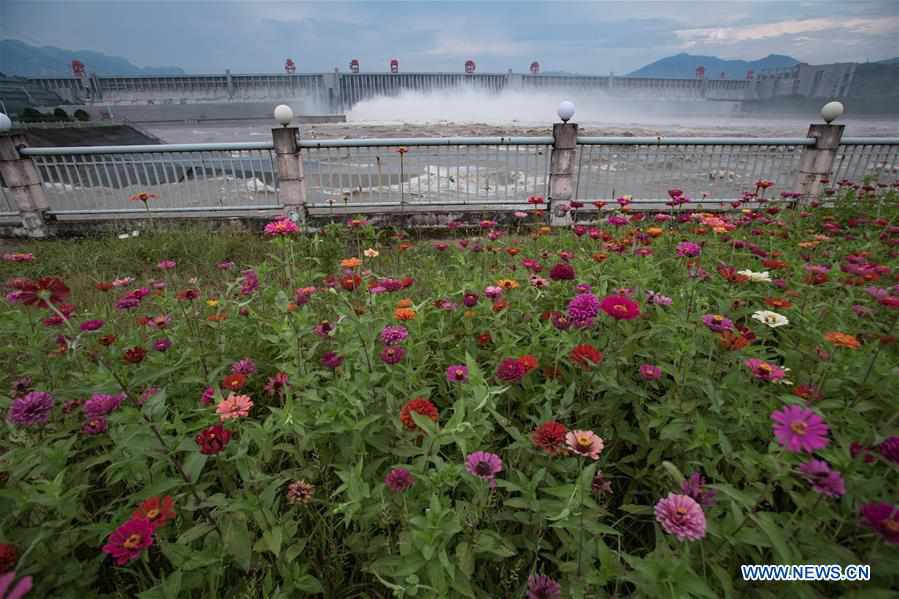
(186, 177)
(429, 174)
(406, 173)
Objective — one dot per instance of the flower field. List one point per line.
(632, 407)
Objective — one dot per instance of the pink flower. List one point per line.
(764, 371)
(799, 429)
(620, 307)
(681, 516)
(648, 372)
(824, 480)
(129, 540)
(399, 479)
(235, 406)
(166, 265)
(585, 443)
(280, 227)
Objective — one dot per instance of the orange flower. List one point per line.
(655, 231)
(404, 313)
(234, 382)
(143, 196)
(500, 305)
(544, 230)
(507, 284)
(778, 302)
(216, 317)
(351, 262)
(404, 303)
(158, 510)
(404, 246)
(513, 251)
(843, 340)
(600, 257)
(732, 341)
(529, 361)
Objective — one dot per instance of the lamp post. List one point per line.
(561, 166)
(289, 161)
(816, 161)
(5, 123)
(831, 111)
(283, 114)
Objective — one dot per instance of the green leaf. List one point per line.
(775, 534)
(237, 540)
(193, 465)
(195, 532)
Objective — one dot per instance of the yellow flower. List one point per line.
(371, 253)
(212, 303)
(507, 284)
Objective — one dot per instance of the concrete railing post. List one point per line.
(291, 182)
(24, 183)
(561, 173)
(816, 162)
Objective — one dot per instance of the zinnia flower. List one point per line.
(543, 587)
(281, 227)
(399, 480)
(331, 360)
(799, 429)
(8, 558)
(688, 249)
(584, 443)
(511, 370)
(883, 518)
(484, 465)
(213, 440)
(648, 372)
(765, 371)
(31, 409)
(91, 325)
(583, 308)
(95, 426)
(755, 277)
(620, 307)
(843, 340)
(681, 516)
(586, 356)
(717, 323)
(457, 373)
(824, 480)
(134, 355)
(889, 448)
(234, 382)
(562, 272)
(101, 405)
(129, 540)
(246, 366)
(158, 510)
(695, 488)
(393, 355)
(772, 319)
(550, 437)
(300, 492)
(393, 334)
(276, 384)
(234, 406)
(420, 406)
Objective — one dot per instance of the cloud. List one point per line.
(745, 33)
(453, 46)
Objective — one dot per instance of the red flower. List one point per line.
(158, 510)
(484, 339)
(550, 437)
(406, 282)
(234, 382)
(420, 406)
(351, 282)
(561, 272)
(188, 294)
(730, 274)
(135, 355)
(38, 293)
(103, 286)
(529, 362)
(107, 340)
(586, 356)
(213, 439)
(620, 307)
(129, 540)
(8, 558)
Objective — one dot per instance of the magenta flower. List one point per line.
(583, 308)
(8, 590)
(331, 360)
(95, 426)
(457, 373)
(323, 329)
(717, 323)
(399, 480)
(799, 429)
(562, 272)
(657, 299)
(470, 300)
(91, 325)
(281, 227)
(31, 409)
(620, 307)
(166, 265)
(244, 366)
(648, 372)
(101, 405)
(484, 465)
(695, 488)
(681, 516)
(208, 396)
(889, 448)
(276, 384)
(543, 587)
(162, 345)
(394, 334)
(824, 480)
(765, 371)
(883, 518)
(129, 540)
(688, 249)
(511, 370)
(393, 354)
(250, 282)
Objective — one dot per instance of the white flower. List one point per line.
(371, 253)
(772, 319)
(756, 277)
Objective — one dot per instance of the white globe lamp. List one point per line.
(831, 110)
(283, 114)
(566, 110)
(5, 123)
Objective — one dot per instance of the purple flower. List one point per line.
(245, 366)
(648, 372)
(8, 590)
(561, 272)
(695, 487)
(657, 299)
(799, 429)
(398, 480)
(101, 405)
(162, 345)
(583, 288)
(21, 386)
(331, 360)
(583, 308)
(824, 480)
(225, 265)
(127, 303)
(493, 292)
(484, 465)
(688, 249)
(511, 370)
(543, 587)
(208, 396)
(323, 329)
(95, 426)
(681, 516)
(250, 282)
(563, 322)
(393, 354)
(393, 334)
(31, 409)
(883, 518)
(469, 300)
(91, 325)
(457, 373)
(889, 449)
(717, 323)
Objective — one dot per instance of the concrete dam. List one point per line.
(338, 92)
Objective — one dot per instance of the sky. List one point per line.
(585, 37)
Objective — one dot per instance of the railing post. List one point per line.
(561, 173)
(24, 183)
(291, 182)
(816, 162)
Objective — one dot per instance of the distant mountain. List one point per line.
(684, 66)
(889, 61)
(19, 58)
